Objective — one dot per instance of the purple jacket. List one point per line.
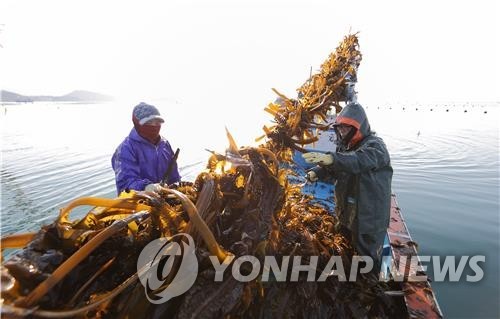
(137, 163)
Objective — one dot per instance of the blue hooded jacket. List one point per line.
(137, 163)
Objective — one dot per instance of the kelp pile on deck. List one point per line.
(241, 205)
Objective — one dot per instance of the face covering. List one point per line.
(150, 132)
(344, 136)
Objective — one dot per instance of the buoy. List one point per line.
(446, 110)
(465, 111)
(485, 112)
(431, 110)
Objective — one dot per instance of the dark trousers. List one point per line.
(371, 245)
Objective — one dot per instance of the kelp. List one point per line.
(243, 203)
(298, 120)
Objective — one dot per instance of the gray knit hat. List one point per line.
(144, 112)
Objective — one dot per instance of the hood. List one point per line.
(353, 114)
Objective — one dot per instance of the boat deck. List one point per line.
(419, 296)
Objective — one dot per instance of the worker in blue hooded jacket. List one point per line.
(143, 158)
(362, 171)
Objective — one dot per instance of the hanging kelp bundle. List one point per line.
(297, 120)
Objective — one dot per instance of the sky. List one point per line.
(227, 55)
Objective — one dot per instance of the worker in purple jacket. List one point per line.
(143, 158)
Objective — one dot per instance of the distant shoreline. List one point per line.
(77, 96)
(4, 103)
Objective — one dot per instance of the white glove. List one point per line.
(155, 188)
(318, 158)
(311, 176)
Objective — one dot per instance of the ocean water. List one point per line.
(446, 171)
